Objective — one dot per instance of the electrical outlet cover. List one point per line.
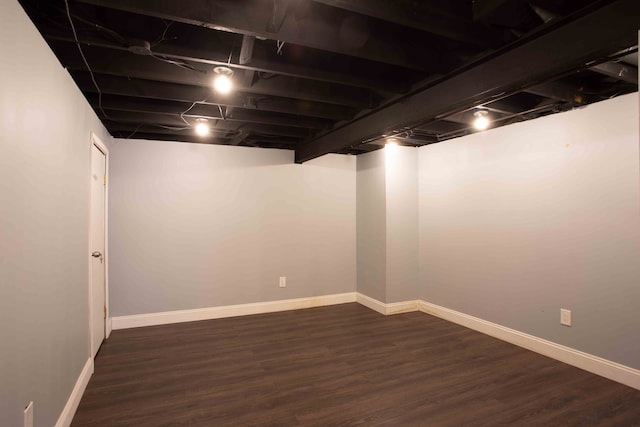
(565, 317)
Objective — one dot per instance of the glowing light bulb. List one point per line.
(222, 84)
(481, 121)
(202, 128)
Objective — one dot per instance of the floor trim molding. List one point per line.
(76, 394)
(594, 364)
(387, 308)
(163, 318)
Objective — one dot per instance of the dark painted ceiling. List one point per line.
(338, 76)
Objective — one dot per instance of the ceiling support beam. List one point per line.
(321, 29)
(537, 58)
(484, 9)
(423, 17)
(626, 73)
(107, 61)
(257, 61)
(246, 56)
(558, 90)
(148, 89)
(176, 122)
(280, 10)
(237, 140)
(141, 105)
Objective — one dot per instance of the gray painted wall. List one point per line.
(195, 225)
(45, 126)
(402, 223)
(387, 224)
(372, 225)
(520, 221)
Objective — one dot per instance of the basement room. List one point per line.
(319, 213)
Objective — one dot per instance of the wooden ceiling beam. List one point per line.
(423, 17)
(550, 52)
(147, 89)
(344, 33)
(258, 62)
(156, 119)
(108, 61)
(142, 105)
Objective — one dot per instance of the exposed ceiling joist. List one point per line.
(307, 26)
(557, 90)
(220, 125)
(624, 72)
(109, 61)
(155, 134)
(250, 61)
(237, 140)
(142, 105)
(424, 17)
(556, 49)
(116, 85)
(129, 129)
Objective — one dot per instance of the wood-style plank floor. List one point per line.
(342, 365)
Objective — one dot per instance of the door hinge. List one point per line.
(105, 311)
(105, 180)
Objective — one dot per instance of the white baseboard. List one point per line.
(387, 308)
(108, 327)
(594, 364)
(76, 394)
(163, 318)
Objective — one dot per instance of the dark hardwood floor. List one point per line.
(342, 365)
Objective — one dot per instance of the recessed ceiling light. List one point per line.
(481, 121)
(222, 82)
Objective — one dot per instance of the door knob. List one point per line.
(96, 254)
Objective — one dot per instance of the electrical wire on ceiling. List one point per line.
(176, 128)
(75, 36)
(179, 63)
(147, 51)
(189, 109)
(173, 128)
(164, 34)
(134, 131)
(119, 38)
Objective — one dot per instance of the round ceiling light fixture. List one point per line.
(202, 127)
(222, 82)
(481, 121)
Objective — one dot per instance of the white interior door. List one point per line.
(97, 247)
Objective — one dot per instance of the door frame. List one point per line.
(95, 141)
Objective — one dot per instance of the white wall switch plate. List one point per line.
(283, 282)
(565, 317)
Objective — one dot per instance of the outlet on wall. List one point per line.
(565, 317)
(283, 282)
(28, 415)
